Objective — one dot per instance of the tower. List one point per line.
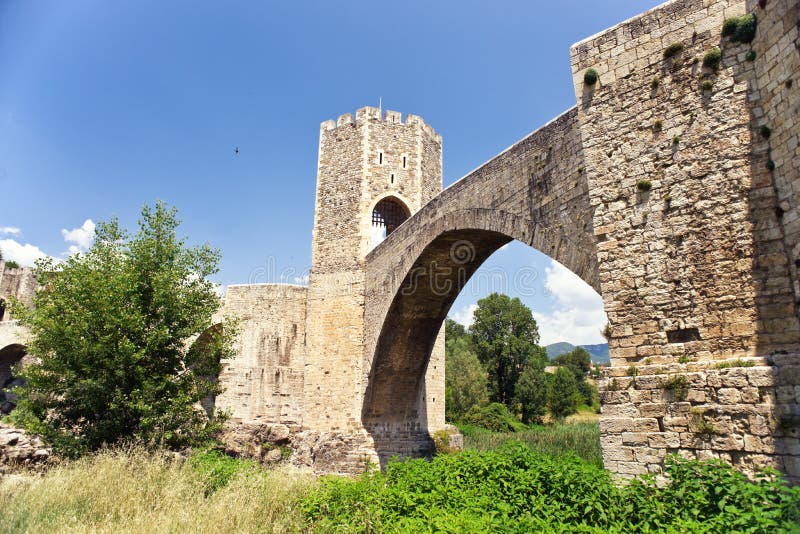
(373, 172)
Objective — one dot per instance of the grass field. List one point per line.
(582, 439)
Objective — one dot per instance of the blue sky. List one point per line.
(105, 106)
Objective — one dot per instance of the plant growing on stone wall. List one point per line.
(644, 185)
(658, 125)
(740, 29)
(613, 385)
(765, 131)
(707, 85)
(673, 50)
(606, 333)
(590, 77)
(751, 55)
(676, 140)
(678, 386)
(654, 83)
(712, 59)
(701, 425)
(632, 371)
(770, 165)
(11, 264)
(734, 363)
(684, 359)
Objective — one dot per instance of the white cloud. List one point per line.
(578, 317)
(24, 254)
(9, 230)
(465, 315)
(81, 238)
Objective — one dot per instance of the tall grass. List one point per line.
(134, 491)
(582, 439)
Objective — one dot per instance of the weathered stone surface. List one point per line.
(20, 449)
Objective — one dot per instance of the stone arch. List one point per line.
(387, 214)
(197, 357)
(10, 355)
(412, 300)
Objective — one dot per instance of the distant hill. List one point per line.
(598, 352)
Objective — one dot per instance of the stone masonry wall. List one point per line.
(16, 282)
(264, 383)
(360, 162)
(693, 261)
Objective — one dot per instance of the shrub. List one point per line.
(707, 85)
(770, 165)
(654, 83)
(658, 125)
(515, 489)
(712, 59)
(644, 185)
(11, 264)
(740, 29)
(751, 55)
(676, 140)
(678, 385)
(673, 50)
(494, 417)
(590, 77)
(216, 468)
(632, 371)
(765, 131)
(563, 395)
(531, 393)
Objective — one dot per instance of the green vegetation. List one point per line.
(765, 131)
(658, 125)
(644, 185)
(531, 394)
(740, 29)
(707, 85)
(673, 50)
(563, 396)
(515, 489)
(558, 439)
(676, 140)
(770, 165)
(734, 363)
(678, 386)
(494, 417)
(108, 327)
(751, 55)
(11, 264)
(654, 83)
(505, 336)
(712, 59)
(465, 376)
(590, 77)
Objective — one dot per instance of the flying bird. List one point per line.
(236, 150)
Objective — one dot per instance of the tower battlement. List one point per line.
(369, 113)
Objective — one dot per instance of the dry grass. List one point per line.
(134, 491)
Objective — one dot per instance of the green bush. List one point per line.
(216, 468)
(517, 490)
(707, 85)
(11, 264)
(740, 29)
(590, 77)
(712, 59)
(673, 50)
(494, 417)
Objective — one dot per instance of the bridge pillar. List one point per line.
(695, 212)
(373, 172)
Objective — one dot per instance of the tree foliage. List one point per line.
(532, 392)
(505, 337)
(110, 329)
(465, 378)
(563, 393)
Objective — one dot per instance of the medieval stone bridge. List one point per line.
(671, 188)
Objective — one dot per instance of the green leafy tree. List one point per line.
(532, 392)
(579, 363)
(465, 379)
(504, 335)
(453, 330)
(110, 328)
(562, 394)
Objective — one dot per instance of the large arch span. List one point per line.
(535, 192)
